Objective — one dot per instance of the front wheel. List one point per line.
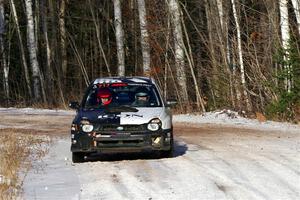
(167, 154)
(78, 157)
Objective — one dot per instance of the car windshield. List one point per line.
(121, 95)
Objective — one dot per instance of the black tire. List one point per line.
(167, 154)
(78, 157)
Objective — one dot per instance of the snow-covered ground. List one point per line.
(218, 155)
(231, 118)
(35, 111)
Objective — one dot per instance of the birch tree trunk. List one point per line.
(144, 37)
(97, 27)
(49, 71)
(23, 57)
(119, 37)
(240, 55)
(31, 42)
(224, 29)
(296, 6)
(189, 56)
(3, 52)
(285, 37)
(62, 30)
(224, 40)
(175, 12)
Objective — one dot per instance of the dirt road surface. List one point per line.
(210, 162)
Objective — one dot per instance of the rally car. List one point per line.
(121, 114)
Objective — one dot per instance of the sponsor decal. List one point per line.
(132, 115)
(109, 116)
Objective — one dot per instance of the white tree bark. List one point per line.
(296, 6)
(63, 37)
(221, 12)
(240, 54)
(3, 52)
(175, 12)
(31, 43)
(285, 37)
(144, 37)
(224, 27)
(23, 57)
(119, 37)
(226, 45)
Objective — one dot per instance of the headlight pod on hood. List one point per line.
(154, 125)
(86, 126)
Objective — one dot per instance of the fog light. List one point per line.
(156, 141)
(74, 141)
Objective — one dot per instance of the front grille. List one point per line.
(115, 127)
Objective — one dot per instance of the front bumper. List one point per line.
(121, 141)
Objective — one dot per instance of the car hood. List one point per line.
(142, 116)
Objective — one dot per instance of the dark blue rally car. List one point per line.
(121, 114)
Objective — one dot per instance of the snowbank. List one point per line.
(231, 118)
(34, 111)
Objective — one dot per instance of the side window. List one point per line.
(156, 96)
(91, 99)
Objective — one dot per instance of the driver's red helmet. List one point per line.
(104, 93)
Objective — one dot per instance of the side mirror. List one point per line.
(74, 105)
(171, 102)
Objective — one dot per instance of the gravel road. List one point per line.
(210, 162)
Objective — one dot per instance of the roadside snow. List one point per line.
(34, 111)
(231, 118)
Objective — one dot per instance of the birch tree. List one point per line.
(2, 51)
(31, 43)
(97, 27)
(144, 37)
(240, 54)
(21, 46)
(49, 79)
(175, 12)
(62, 30)
(224, 40)
(224, 29)
(285, 37)
(296, 6)
(119, 37)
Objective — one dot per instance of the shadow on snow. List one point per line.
(180, 149)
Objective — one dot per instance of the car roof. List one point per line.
(124, 79)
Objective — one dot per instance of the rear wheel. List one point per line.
(78, 157)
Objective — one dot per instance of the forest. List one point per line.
(242, 55)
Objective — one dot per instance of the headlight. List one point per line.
(154, 125)
(87, 128)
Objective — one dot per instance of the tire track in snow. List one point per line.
(224, 175)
